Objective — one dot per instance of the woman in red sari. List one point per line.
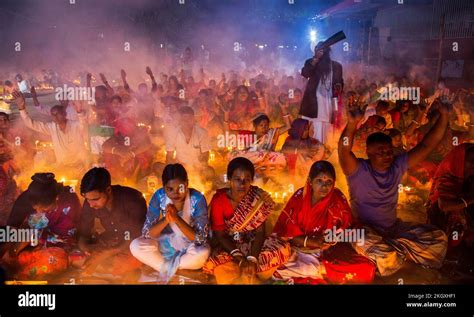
(308, 222)
(242, 253)
(451, 200)
(241, 108)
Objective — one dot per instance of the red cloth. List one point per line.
(396, 115)
(245, 139)
(291, 159)
(358, 269)
(40, 262)
(338, 119)
(65, 219)
(448, 183)
(124, 126)
(221, 210)
(299, 218)
(225, 218)
(449, 176)
(309, 281)
(348, 268)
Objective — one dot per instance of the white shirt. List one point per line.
(187, 153)
(324, 96)
(69, 147)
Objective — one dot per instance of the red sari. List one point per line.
(448, 183)
(341, 263)
(449, 177)
(240, 223)
(300, 218)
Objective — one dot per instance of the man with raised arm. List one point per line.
(374, 186)
(66, 135)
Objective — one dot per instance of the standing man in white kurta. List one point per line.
(324, 82)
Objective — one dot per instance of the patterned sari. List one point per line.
(250, 214)
(259, 150)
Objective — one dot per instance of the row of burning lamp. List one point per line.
(152, 183)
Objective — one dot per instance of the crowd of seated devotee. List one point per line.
(179, 176)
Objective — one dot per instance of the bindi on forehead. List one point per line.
(324, 177)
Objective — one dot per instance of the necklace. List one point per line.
(326, 79)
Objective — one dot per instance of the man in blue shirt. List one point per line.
(374, 185)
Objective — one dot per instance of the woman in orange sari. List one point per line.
(242, 253)
(311, 222)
